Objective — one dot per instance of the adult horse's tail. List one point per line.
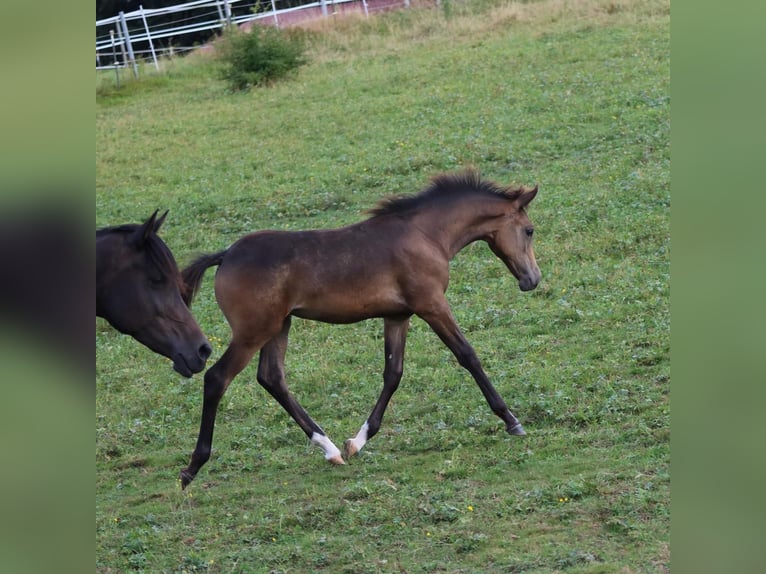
(193, 274)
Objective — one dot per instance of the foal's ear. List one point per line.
(526, 196)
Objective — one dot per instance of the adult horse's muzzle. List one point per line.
(186, 366)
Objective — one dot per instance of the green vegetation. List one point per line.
(573, 96)
(260, 56)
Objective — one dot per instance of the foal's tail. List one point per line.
(193, 274)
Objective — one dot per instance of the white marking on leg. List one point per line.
(361, 437)
(331, 451)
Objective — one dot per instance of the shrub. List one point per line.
(259, 56)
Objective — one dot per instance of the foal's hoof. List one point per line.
(517, 430)
(349, 448)
(337, 460)
(186, 478)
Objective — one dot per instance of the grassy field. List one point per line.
(571, 95)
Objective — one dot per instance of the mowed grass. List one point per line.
(573, 96)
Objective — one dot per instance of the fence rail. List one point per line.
(124, 39)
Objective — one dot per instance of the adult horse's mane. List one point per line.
(158, 251)
(441, 187)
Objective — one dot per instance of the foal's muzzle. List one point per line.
(530, 281)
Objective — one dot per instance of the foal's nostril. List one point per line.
(204, 351)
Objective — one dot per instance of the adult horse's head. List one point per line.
(139, 291)
(511, 241)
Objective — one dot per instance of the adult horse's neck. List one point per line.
(455, 223)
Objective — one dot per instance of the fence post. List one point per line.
(227, 9)
(274, 11)
(114, 59)
(323, 4)
(121, 41)
(126, 36)
(149, 36)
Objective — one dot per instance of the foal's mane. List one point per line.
(441, 187)
(159, 253)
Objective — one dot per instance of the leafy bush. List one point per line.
(259, 56)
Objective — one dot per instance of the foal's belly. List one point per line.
(350, 306)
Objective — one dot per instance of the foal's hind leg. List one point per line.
(217, 379)
(271, 376)
(395, 335)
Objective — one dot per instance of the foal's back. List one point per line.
(336, 275)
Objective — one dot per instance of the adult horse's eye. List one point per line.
(529, 231)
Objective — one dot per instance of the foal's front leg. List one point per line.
(443, 323)
(395, 335)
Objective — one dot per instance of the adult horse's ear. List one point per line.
(527, 196)
(147, 228)
(158, 223)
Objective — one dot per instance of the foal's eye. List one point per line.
(529, 231)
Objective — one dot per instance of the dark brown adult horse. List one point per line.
(393, 265)
(139, 291)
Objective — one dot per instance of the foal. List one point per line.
(393, 265)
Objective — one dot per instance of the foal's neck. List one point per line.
(460, 222)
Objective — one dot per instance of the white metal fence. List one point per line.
(123, 40)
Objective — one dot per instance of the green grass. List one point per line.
(573, 96)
